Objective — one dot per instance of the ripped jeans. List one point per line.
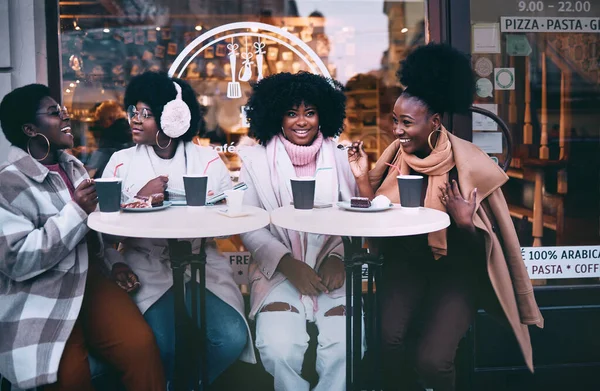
(282, 340)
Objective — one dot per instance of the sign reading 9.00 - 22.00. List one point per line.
(553, 16)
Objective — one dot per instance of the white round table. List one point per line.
(183, 222)
(352, 227)
(396, 221)
(179, 222)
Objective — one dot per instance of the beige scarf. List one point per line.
(436, 166)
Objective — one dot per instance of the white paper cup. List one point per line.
(235, 200)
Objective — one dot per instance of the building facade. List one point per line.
(537, 65)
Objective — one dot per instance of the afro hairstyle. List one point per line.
(274, 95)
(18, 108)
(439, 76)
(156, 89)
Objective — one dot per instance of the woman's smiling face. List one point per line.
(301, 124)
(413, 124)
(54, 122)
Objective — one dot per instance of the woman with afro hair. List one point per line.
(165, 116)
(433, 284)
(297, 277)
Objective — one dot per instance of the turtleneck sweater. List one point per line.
(303, 157)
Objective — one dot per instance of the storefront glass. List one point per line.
(359, 43)
(538, 67)
(536, 63)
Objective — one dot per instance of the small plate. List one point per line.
(165, 205)
(346, 205)
(225, 212)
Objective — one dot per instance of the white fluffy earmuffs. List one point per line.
(176, 116)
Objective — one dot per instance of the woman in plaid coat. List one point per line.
(55, 305)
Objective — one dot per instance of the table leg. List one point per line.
(352, 249)
(370, 319)
(370, 328)
(177, 253)
(357, 332)
(348, 266)
(377, 330)
(195, 345)
(203, 344)
(181, 255)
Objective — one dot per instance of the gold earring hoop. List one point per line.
(431, 134)
(47, 142)
(160, 146)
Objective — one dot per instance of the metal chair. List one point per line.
(505, 132)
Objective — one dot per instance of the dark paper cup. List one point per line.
(195, 189)
(410, 187)
(303, 191)
(109, 194)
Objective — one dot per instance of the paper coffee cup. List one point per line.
(410, 188)
(109, 194)
(235, 200)
(303, 191)
(195, 189)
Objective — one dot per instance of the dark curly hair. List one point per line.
(274, 95)
(156, 89)
(439, 76)
(18, 108)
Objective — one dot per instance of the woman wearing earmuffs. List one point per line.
(164, 116)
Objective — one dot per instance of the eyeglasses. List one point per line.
(56, 111)
(142, 115)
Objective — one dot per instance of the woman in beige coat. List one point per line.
(433, 284)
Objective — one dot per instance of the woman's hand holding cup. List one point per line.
(85, 196)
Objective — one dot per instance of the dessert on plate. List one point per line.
(141, 202)
(360, 202)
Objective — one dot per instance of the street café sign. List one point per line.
(562, 262)
(519, 24)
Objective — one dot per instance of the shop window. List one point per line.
(537, 66)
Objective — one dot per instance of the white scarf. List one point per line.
(305, 247)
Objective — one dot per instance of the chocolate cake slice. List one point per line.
(360, 202)
(157, 199)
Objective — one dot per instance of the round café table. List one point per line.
(352, 227)
(183, 222)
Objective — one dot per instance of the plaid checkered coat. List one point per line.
(43, 266)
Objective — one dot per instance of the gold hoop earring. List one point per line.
(431, 134)
(47, 142)
(283, 132)
(158, 144)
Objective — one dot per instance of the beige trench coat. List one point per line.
(505, 265)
